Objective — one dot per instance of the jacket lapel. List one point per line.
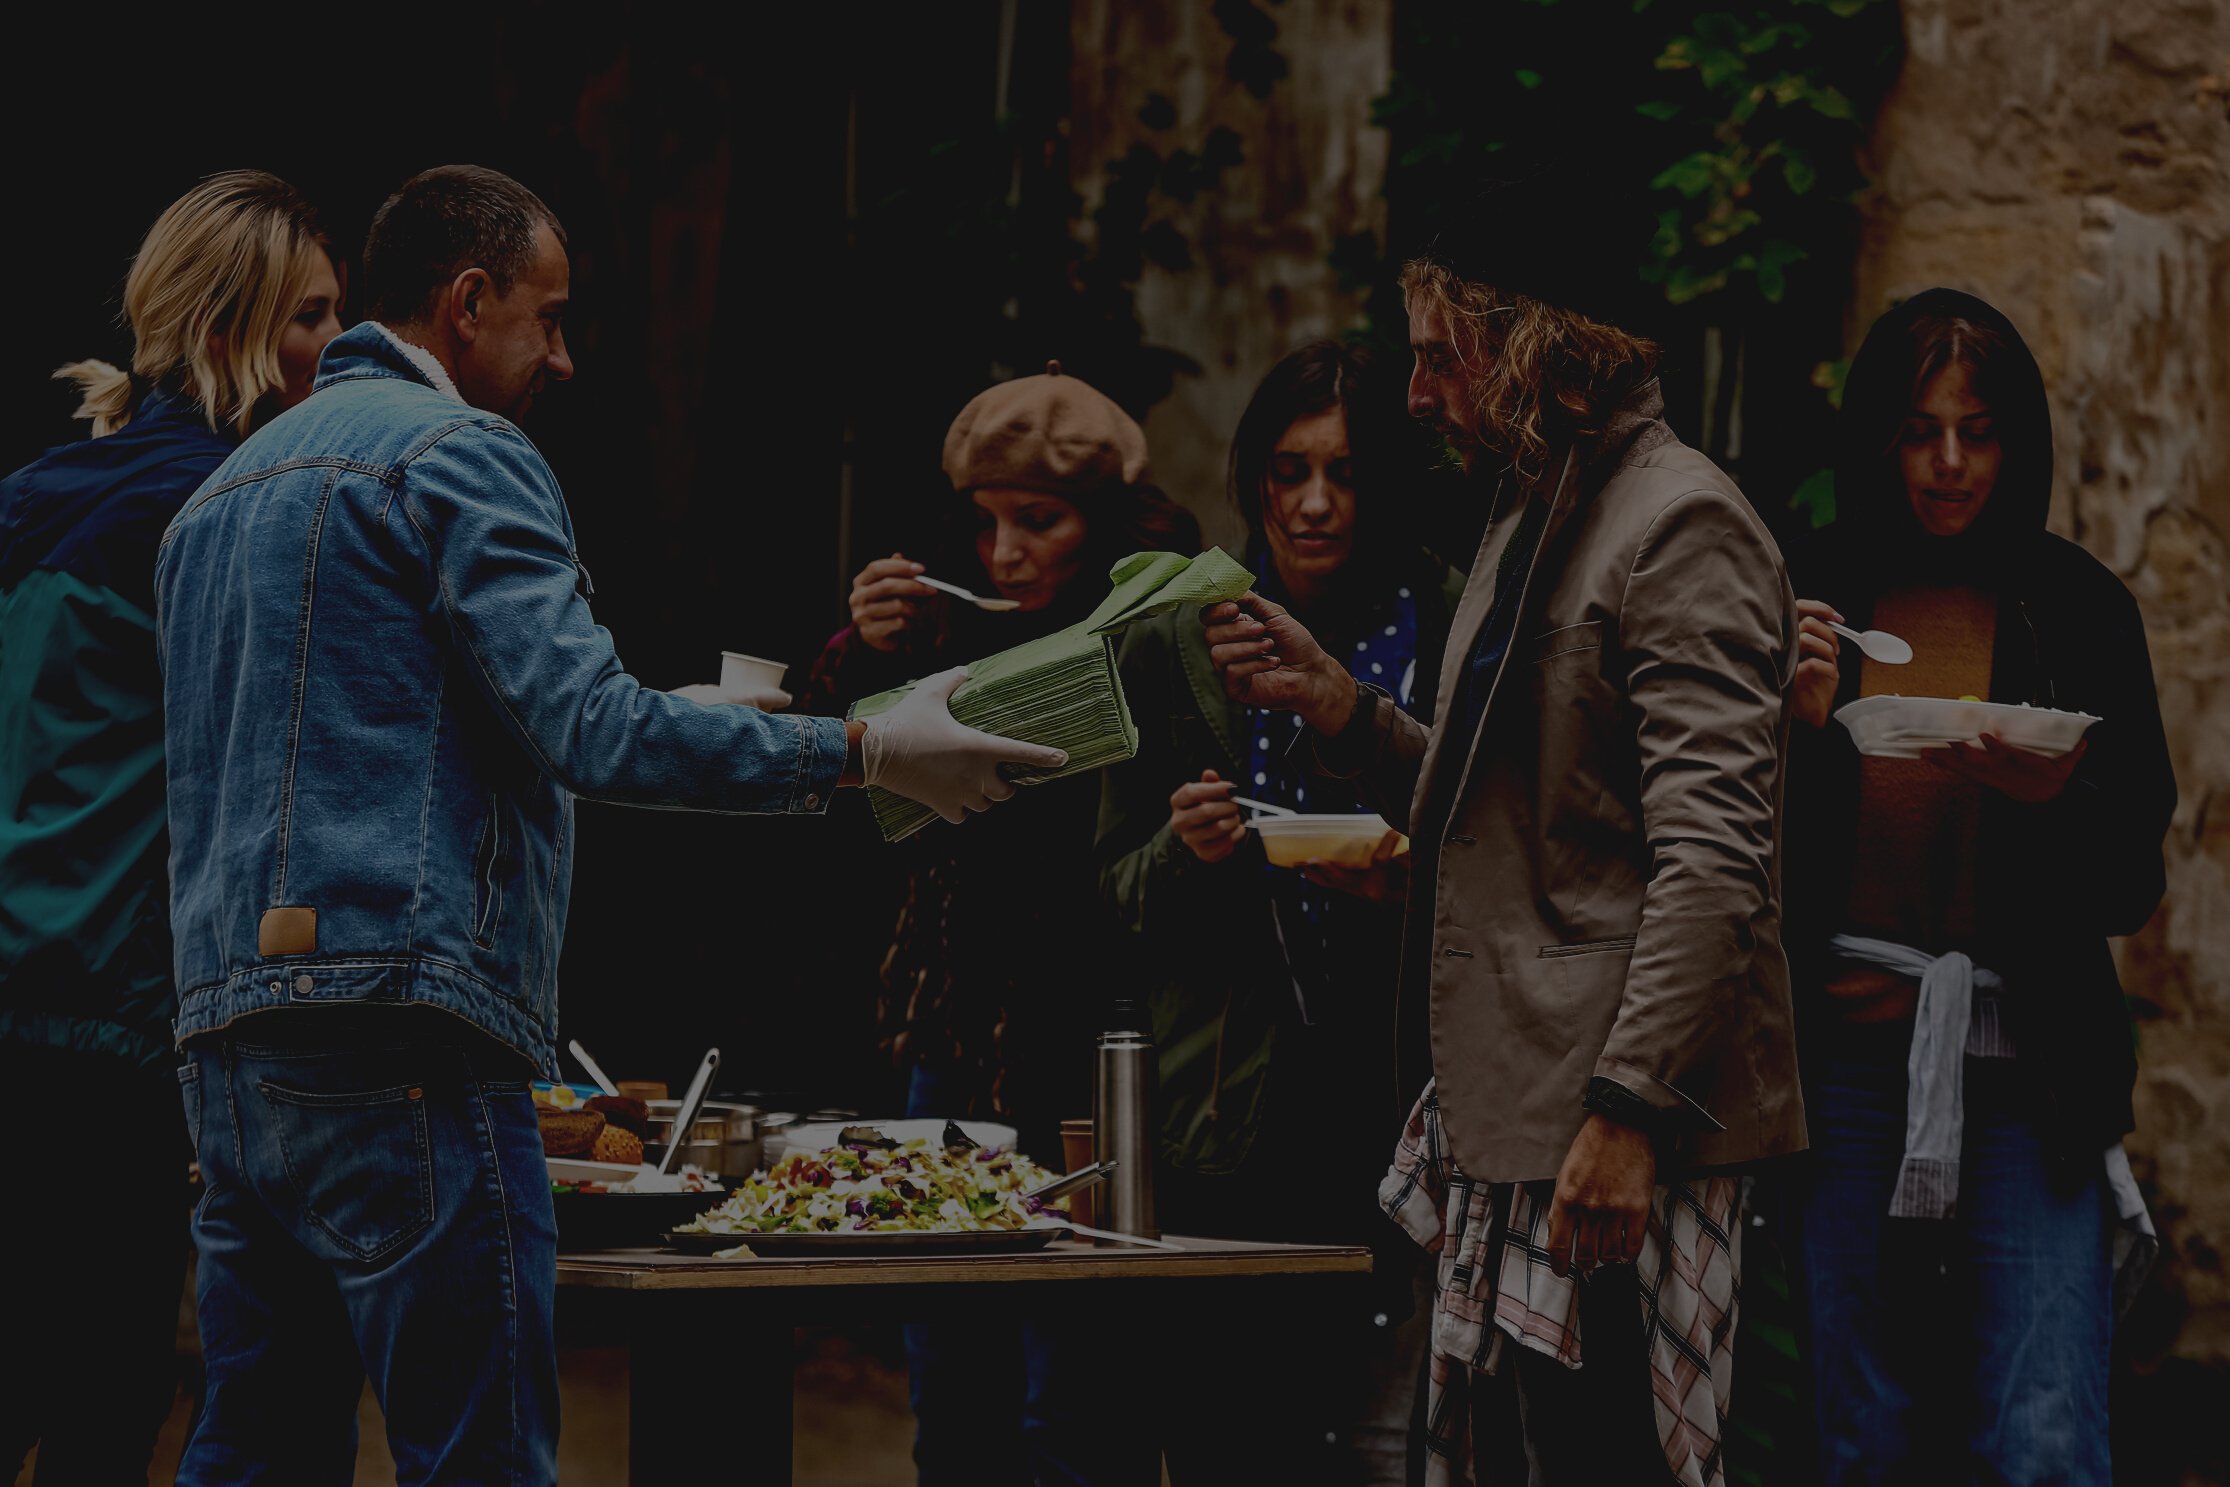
(1471, 618)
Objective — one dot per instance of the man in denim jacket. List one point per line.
(384, 690)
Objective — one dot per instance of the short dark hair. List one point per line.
(440, 223)
(1313, 379)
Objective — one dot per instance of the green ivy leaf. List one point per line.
(1724, 225)
(1829, 377)
(1801, 174)
(1527, 78)
(1814, 500)
(1691, 177)
(1831, 103)
(1658, 110)
(1718, 66)
(1688, 282)
(1780, 253)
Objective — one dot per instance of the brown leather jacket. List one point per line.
(1598, 886)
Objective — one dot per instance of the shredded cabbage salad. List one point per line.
(883, 1185)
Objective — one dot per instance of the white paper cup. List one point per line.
(741, 673)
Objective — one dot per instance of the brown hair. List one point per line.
(1315, 378)
(229, 260)
(440, 223)
(1537, 375)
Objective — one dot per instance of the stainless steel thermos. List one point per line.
(1123, 1092)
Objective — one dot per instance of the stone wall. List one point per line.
(1258, 284)
(2071, 163)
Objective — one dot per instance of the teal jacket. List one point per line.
(1204, 941)
(85, 951)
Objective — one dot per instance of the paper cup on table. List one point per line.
(741, 673)
(1076, 1151)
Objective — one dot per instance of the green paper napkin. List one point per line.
(1061, 689)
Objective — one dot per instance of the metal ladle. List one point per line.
(685, 1118)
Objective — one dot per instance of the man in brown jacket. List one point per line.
(1595, 907)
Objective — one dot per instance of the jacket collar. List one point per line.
(373, 350)
(1637, 427)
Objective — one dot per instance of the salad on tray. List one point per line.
(871, 1183)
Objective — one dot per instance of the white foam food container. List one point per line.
(1892, 727)
(1348, 841)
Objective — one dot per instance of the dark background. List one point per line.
(796, 254)
(699, 443)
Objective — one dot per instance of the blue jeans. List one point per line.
(382, 1208)
(1976, 1349)
(1001, 1401)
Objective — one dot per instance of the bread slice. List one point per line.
(569, 1133)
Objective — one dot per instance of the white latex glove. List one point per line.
(766, 699)
(918, 751)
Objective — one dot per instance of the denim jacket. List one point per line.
(384, 690)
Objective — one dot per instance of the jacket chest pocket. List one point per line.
(1567, 645)
(1564, 668)
(487, 877)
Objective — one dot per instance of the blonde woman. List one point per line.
(230, 300)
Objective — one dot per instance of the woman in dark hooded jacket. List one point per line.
(1968, 1058)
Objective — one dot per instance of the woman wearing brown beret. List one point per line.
(989, 993)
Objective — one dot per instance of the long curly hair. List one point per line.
(1537, 376)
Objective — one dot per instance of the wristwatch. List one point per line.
(1354, 734)
(1614, 1101)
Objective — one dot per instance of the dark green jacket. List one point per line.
(1203, 937)
(85, 951)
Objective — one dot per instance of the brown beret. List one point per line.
(1050, 433)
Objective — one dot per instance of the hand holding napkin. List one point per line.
(917, 752)
(1061, 690)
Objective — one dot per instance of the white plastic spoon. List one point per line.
(1261, 807)
(996, 606)
(1879, 645)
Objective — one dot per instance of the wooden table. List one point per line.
(710, 1340)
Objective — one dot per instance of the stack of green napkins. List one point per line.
(1061, 689)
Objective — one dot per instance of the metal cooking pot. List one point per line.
(724, 1141)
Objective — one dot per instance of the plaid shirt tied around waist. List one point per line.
(1494, 1287)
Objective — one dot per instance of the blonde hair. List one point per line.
(1536, 374)
(232, 260)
